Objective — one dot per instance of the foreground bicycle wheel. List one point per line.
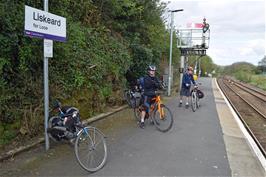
(91, 149)
(163, 118)
(193, 101)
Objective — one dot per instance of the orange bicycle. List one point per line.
(160, 114)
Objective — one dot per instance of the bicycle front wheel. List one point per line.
(91, 149)
(193, 101)
(163, 118)
(197, 101)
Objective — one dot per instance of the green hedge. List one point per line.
(114, 36)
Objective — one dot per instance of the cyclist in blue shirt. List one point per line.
(186, 85)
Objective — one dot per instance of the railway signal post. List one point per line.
(192, 41)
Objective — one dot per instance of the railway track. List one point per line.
(250, 105)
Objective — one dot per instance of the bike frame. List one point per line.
(86, 132)
(194, 92)
(157, 102)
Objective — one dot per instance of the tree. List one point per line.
(262, 64)
(113, 35)
(206, 63)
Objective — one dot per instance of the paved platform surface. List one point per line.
(202, 143)
(242, 159)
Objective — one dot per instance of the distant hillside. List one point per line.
(239, 66)
(240, 70)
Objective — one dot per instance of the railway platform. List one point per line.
(242, 155)
(208, 142)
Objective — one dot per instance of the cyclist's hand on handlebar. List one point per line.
(162, 85)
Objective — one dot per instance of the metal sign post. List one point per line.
(182, 64)
(42, 24)
(46, 88)
(170, 55)
(199, 68)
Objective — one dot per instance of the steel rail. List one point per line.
(240, 116)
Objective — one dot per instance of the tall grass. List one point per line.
(256, 80)
(259, 81)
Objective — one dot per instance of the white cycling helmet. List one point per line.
(151, 68)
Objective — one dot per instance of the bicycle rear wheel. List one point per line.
(163, 118)
(91, 149)
(193, 101)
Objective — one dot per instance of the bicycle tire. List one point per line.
(88, 135)
(197, 101)
(158, 121)
(193, 101)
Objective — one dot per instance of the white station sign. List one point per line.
(48, 48)
(45, 25)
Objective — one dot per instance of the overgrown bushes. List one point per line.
(104, 40)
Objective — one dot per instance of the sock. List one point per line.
(187, 103)
(180, 101)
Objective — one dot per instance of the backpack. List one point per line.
(200, 94)
(141, 82)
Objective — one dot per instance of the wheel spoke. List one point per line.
(91, 160)
(91, 153)
(88, 159)
(163, 123)
(96, 144)
(94, 136)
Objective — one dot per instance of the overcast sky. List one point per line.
(237, 27)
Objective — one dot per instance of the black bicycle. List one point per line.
(196, 95)
(194, 99)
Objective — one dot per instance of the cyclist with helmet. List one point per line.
(186, 85)
(151, 84)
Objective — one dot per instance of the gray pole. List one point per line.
(199, 67)
(182, 63)
(196, 66)
(186, 62)
(46, 91)
(170, 55)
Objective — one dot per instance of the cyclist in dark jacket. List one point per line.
(151, 84)
(186, 85)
